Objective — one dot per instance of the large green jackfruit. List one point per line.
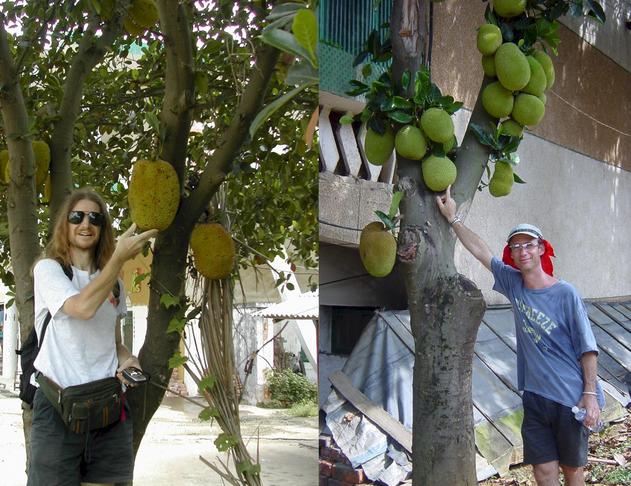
(502, 181)
(548, 67)
(489, 39)
(488, 66)
(528, 109)
(437, 125)
(377, 249)
(509, 8)
(154, 194)
(410, 142)
(142, 15)
(378, 148)
(497, 100)
(512, 67)
(42, 161)
(438, 172)
(213, 250)
(4, 166)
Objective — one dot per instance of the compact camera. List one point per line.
(134, 375)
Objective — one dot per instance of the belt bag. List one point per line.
(86, 407)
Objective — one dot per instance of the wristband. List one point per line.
(590, 393)
(455, 220)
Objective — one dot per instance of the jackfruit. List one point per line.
(489, 39)
(42, 161)
(377, 249)
(509, 8)
(410, 143)
(537, 83)
(213, 250)
(154, 194)
(47, 190)
(511, 128)
(437, 125)
(142, 15)
(528, 109)
(502, 181)
(512, 67)
(497, 100)
(378, 148)
(548, 67)
(488, 66)
(4, 166)
(543, 98)
(438, 172)
(449, 145)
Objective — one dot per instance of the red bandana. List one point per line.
(546, 262)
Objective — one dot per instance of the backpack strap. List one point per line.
(68, 271)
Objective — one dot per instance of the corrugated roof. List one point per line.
(303, 306)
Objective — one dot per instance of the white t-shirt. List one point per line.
(74, 351)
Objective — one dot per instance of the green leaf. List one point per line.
(394, 205)
(286, 42)
(290, 286)
(305, 29)
(245, 468)
(208, 413)
(225, 442)
(207, 383)
(152, 119)
(168, 301)
(400, 116)
(596, 11)
(401, 102)
(139, 278)
(301, 73)
(346, 120)
(389, 223)
(176, 324)
(285, 9)
(274, 106)
(405, 79)
(518, 179)
(177, 360)
(361, 57)
(483, 137)
(367, 70)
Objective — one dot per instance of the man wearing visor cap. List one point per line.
(556, 348)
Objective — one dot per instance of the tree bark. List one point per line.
(445, 308)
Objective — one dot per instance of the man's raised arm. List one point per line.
(472, 242)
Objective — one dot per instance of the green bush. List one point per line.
(304, 409)
(288, 388)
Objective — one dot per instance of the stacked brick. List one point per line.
(335, 468)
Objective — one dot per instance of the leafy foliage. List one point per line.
(288, 388)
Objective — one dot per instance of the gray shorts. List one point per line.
(551, 433)
(62, 458)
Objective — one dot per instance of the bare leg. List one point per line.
(573, 476)
(547, 474)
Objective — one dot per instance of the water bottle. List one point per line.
(579, 414)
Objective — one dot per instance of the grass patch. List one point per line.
(304, 409)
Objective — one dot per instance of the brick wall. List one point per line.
(335, 468)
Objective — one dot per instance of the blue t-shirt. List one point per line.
(553, 332)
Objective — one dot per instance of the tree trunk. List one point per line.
(445, 308)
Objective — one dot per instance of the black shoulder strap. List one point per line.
(68, 271)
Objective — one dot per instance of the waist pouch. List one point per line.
(85, 407)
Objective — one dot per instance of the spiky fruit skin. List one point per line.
(4, 166)
(537, 82)
(497, 100)
(438, 172)
(377, 249)
(410, 143)
(47, 190)
(488, 66)
(450, 144)
(548, 67)
(437, 125)
(42, 161)
(378, 148)
(502, 181)
(512, 67)
(213, 250)
(154, 194)
(509, 8)
(511, 128)
(489, 39)
(142, 15)
(543, 98)
(528, 109)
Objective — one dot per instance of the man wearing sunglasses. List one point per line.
(556, 349)
(82, 343)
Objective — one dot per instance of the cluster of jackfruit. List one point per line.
(517, 96)
(377, 249)
(213, 250)
(41, 150)
(415, 142)
(154, 194)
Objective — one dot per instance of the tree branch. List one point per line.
(236, 133)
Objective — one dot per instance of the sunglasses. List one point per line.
(94, 218)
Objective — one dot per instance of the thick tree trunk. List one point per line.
(445, 308)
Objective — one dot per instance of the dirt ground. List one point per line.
(609, 460)
(175, 438)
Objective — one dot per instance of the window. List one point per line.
(347, 325)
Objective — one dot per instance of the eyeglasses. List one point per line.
(529, 246)
(94, 218)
